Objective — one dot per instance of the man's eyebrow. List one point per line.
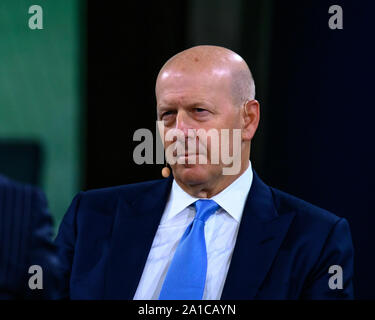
(162, 108)
(199, 104)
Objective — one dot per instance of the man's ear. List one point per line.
(250, 116)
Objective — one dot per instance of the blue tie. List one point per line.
(186, 275)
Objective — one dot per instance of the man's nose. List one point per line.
(182, 123)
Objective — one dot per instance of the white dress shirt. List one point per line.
(220, 233)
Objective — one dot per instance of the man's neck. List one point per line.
(212, 188)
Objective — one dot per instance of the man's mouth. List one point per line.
(187, 154)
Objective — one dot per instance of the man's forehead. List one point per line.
(186, 72)
(206, 69)
(182, 99)
(177, 81)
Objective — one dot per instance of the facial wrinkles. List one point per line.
(204, 72)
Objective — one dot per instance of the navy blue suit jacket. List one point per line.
(25, 240)
(284, 247)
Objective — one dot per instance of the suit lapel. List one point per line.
(260, 235)
(136, 222)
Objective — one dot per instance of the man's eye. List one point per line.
(167, 113)
(200, 110)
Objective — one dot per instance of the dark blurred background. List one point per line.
(73, 94)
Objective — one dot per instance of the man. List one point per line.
(26, 241)
(203, 234)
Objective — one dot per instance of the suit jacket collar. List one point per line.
(260, 235)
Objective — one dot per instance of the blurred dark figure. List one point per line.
(25, 241)
(22, 160)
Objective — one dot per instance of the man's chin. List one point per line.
(192, 174)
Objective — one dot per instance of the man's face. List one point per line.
(196, 100)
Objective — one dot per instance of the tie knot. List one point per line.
(205, 208)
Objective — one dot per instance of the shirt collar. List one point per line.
(232, 199)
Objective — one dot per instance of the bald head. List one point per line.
(218, 62)
(204, 89)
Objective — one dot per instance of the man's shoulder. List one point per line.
(22, 190)
(130, 190)
(306, 213)
(105, 199)
(5, 182)
(312, 227)
(102, 204)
